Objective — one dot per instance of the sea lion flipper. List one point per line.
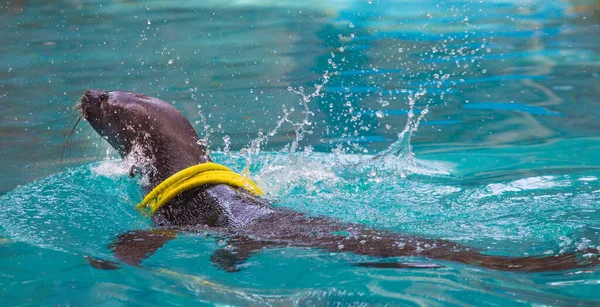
(239, 249)
(229, 258)
(567, 261)
(134, 246)
(101, 264)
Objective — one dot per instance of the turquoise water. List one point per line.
(482, 115)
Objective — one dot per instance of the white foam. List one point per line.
(531, 183)
(588, 178)
(111, 168)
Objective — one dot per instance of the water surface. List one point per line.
(497, 99)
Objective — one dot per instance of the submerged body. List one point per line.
(161, 139)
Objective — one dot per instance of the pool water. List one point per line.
(471, 121)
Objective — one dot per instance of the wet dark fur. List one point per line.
(160, 134)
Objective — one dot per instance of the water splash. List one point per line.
(399, 157)
(205, 140)
(402, 147)
(301, 127)
(226, 144)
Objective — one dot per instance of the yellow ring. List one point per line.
(192, 177)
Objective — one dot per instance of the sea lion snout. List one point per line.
(94, 97)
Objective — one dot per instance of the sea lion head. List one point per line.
(150, 129)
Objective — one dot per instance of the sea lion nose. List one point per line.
(94, 96)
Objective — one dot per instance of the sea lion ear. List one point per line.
(134, 246)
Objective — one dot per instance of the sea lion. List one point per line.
(156, 132)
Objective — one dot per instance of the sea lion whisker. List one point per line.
(73, 114)
(70, 122)
(76, 111)
(68, 141)
(78, 104)
(86, 143)
(73, 111)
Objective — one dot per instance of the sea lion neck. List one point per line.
(168, 160)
